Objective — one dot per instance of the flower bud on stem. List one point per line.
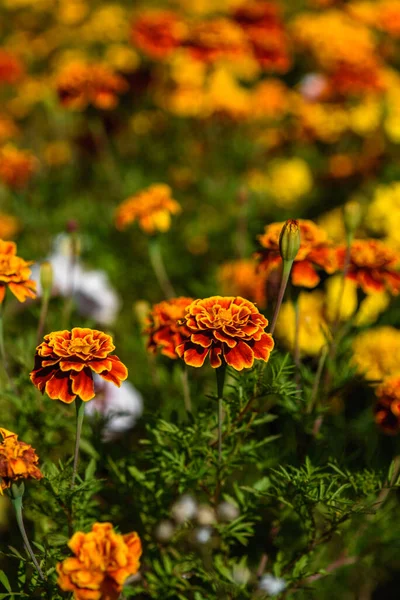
(80, 413)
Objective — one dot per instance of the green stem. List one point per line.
(346, 265)
(314, 392)
(220, 373)
(159, 268)
(17, 503)
(286, 268)
(42, 319)
(297, 337)
(80, 413)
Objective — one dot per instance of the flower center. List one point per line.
(82, 347)
(222, 316)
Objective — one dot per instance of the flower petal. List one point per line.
(304, 274)
(215, 357)
(262, 348)
(240, 357)
(82, 384)
(202, 339)
(193, 355)
(59, 388)
(118, 372)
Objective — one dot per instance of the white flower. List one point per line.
(184, 509)
(121, 407)
(227, 511)
(272, 585)
(165, 530)
(203, 534)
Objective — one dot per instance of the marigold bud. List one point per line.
(289, 240)
(352, 216)
(46, 277)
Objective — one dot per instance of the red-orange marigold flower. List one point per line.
(66, 360)
(387, 408)
(15, 273)
(227, 329)
(158, 33)
(373, 266)
(213, 39)
(152, 207)
(16, 166)
(11, 68)
(79, 84)
(103, 561)
(163, 326)
(18, 460)
(315, 252)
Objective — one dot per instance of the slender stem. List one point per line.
(17, 503)
(296, 338)
(186, 389)
(42, 319)
(315, 388)
(3, 354)
(159, 268)
(286, 268)
(220, 373)
(80, 413)
(346, 265)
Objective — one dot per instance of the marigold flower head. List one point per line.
(11, 68)
(387, 407)
(103, 561)
(227, 329)
(241, 278)
(373, 265)
(66, 360)
(158, 32)
(15, 273)
(212, 39)
(79, 84)
(16, 166)
(18, 460)
(152, 207)
(376, 352)
(164, 328)
(315, 252)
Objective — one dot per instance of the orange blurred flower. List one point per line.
(152, 207)
(225, 328)
(213, 39)
(79, 84)
(16, 166)
(9, 226)
(18, 460)
(66, 360)
(15, 273)
(103, 561)
(241, 278)
(11, 68)
(158, 33)
(315, 252)
(387, 408)
(163, 327)
(373, 266)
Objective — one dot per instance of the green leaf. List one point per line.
(90, 469)
(4, 581)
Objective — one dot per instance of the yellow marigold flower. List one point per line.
(376, 352)
(66, 360)
(332, 223)
(371, 308)
(289, 180)
(103, 561)
(313, 327)
(107, 23)
(365, 117)
(387, 408)
(9, 226)
(15, 273)
(383, 216)
(241, 278)
(228, 329)
(151, 207)
(164, 328)
(224, 95)
(18, 460)
(16, 166)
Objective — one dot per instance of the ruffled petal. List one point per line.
(262, 348)
(201, 339)
(240, 357)
(59, 388)
(215, 357)
(118, 372)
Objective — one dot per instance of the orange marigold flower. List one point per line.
(15, 273)
(11, 68)
(387, 408)
(158, 33)
(16, 166)
(315, 252)
(18, 460)
(103, 561)
(163, 326)
(66, 360)
(9, 225)
(225, 328)
(79, 84)
(214, 39)
(241, 278)
(373, 266)
(152, 207)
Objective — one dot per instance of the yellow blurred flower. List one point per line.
(122, 58)
(365, 117)
(289, 180)
(332, 223)
(371, 308)
(225, 95)
(376, 352)
(324, 122)
(107, 23)
(9, 226)
(384, 211)
(72, 12)
(151, 207)
(57, 153)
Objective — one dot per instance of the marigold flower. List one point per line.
(387, 408)
(152, 207)
(241, 278)
(15, 273)
(225, 328)
(11, 68)
(18, 460)
(66, 360)
(163, 326)
(16, 166)
(373, 265)
(158, 33)
(315, 251)
(103, 561)
(376, 352)
(79, 84)
(213, 39)
(9, 226)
